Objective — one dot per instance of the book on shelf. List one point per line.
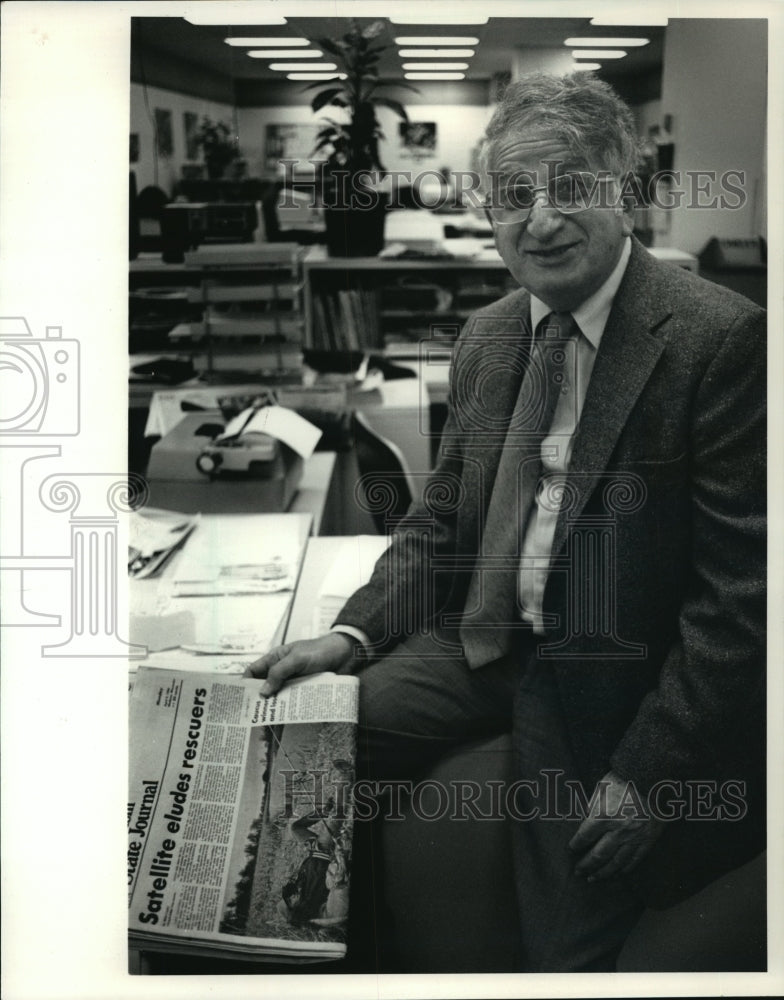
(346, 320)
(319, 336)
(240, 815)
(351, 322)
(334, 325)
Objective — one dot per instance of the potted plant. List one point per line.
(354, 208)
(218, 145)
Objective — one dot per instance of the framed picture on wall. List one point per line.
(289, 141)
(190, 122)
(417, 139)
(164, 137)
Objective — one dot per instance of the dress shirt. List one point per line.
(556, 452)
(591, 317)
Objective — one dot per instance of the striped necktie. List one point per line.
(491, 612)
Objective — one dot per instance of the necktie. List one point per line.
(491, 613)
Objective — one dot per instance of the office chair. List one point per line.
(385, 480)
(150, 203)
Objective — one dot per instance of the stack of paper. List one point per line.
(351, 568)
(152, 540)
(228, 593)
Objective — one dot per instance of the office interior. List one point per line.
(236, 300)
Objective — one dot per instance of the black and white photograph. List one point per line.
(427, 344)
(419, 140)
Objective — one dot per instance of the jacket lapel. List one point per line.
(627, 355)
(486, 444)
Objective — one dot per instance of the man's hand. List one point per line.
(616, 835)
(333, 651)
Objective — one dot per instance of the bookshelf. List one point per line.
(235, 307)
(390, 305)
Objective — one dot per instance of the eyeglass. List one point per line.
(567, 193)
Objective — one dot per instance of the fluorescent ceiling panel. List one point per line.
(279, 43)
(435, 53)
(434, 76)
(285, 54)
(221, 16)
(435, 65)
(435, 18)
(251, 41)
(304, 67)
(632, 20)
(599, 53)
(600, 43)
(315, 76)
(435, 40)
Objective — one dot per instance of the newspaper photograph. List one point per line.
(240, 815)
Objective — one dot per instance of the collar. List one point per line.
(591, 315)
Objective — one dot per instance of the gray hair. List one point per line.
(579, 110)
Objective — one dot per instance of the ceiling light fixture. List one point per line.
(435, 53)
(436, 19)
(435, 65)
(249, 41)
(627, 43)
(630, 20)
(315, 76)
(304, 67)
(434, 76)
(285, 54)
(586, 66)
(220, 16)
(435, 40)
(599, 53)
(280, 43)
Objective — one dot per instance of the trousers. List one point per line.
(416, 704)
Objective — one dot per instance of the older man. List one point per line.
(588, 562)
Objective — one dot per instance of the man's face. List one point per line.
(562, 259)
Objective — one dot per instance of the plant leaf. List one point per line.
(332, 47)
(313, 86)
(326, 97)
(396, 106)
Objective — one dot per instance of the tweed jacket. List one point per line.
(668, 467)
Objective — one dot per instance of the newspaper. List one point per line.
(240, 815)
(152, 540)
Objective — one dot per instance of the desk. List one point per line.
(320, 555)
(398, 410)
(312, 496)
(395, 407)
